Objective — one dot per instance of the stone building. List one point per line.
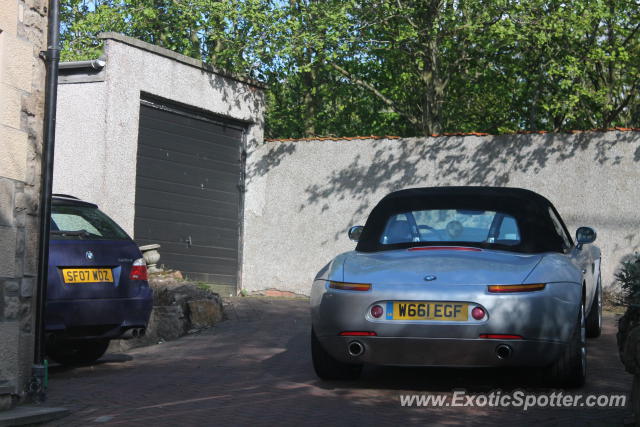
(23, 26)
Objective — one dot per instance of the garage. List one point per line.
(189, 183)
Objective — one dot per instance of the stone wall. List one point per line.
(303, 195)
(22, 75)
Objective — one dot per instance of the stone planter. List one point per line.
(151, 256)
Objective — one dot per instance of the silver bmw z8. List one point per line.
(459, 277)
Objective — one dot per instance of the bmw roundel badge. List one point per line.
(89, 255)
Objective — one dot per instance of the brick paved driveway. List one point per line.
(255, 369)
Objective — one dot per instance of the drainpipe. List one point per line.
(93, 64)
(37, 386)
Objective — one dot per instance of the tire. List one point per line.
(328, 368)
(77, 352)
(594, 319)
(570, 370)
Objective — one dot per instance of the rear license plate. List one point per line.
(440, 310)
(87, 275)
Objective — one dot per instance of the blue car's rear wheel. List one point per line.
(77, 352)
(327, 367)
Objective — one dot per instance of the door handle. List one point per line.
(188, 241)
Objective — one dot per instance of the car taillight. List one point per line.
(349, 286)
(501, 336)
(138, 270)
(516, 288)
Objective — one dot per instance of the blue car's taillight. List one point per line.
(138, 270)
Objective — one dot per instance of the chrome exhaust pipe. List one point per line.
(503, 351)
(133, 333)
(355, 348)
(127, 335)
(138, 332)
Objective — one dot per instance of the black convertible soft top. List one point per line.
(531, 211)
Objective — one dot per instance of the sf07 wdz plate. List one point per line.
(427, 310)
(87, 275)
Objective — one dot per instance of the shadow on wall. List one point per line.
(452, 160)
(269, 161)
(631, 242)
(235, 94)
(4, 218)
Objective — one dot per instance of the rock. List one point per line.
(6, 402)
(178, 307)
(204, 313)
(167, 323)
(165, 278)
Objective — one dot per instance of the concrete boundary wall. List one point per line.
(303, 195)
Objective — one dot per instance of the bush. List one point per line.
(629, 279)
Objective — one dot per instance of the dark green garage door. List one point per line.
(188, 191)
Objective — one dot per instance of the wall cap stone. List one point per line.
(118, 37)
(446, 134)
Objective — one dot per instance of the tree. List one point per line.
(230, 34)
(403, 67)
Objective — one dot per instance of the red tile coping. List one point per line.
(520, 132)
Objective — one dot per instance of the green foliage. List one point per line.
(203, 286)
(629, 279)
(399, 67)
(225, 33)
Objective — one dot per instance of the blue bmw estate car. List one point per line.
(97, 284)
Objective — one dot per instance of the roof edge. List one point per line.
(187, 60)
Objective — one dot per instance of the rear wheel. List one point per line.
(570, 370)
(327, 367)
(77, 352)
(594, 319)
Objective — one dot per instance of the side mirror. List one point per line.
(355, 232)
(585, 235)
